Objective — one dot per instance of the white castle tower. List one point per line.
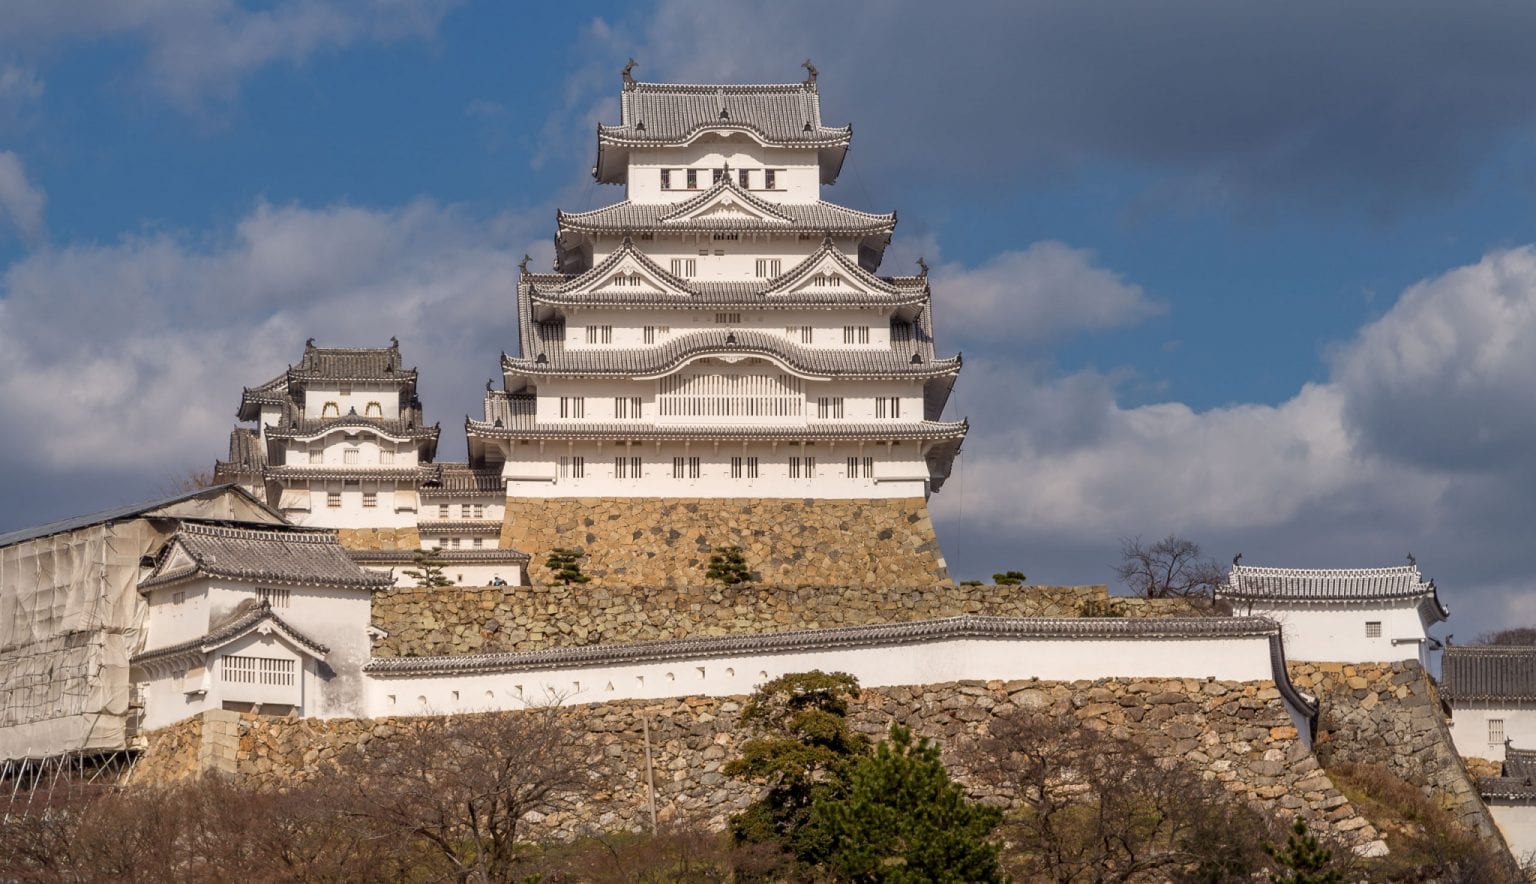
(714, 360)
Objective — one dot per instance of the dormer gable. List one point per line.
(828, 271)
(628, 271)
(727, 202)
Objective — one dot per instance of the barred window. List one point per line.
(803, 332)
(802, 467)
(693, 179)
(855, 334)
(685, 267)
(442, 511)
(386, 457)
(727, 318)
(769, 176)
(573, 467)
(626, 407)
(373, 409)
(628, 468)
(464, 510)
(1495, 731)
(829, 407)
(478, 543)
(666, 179)
(685, 468)
(743, 178)
(861, 467)
(573, 406)
(333, 499)
(258, 670)
(599, 334)
(887, 406)
(1373, 629)
(277, 598)
(769, 267)
(478, 510)
(316, 455)
(743, 468)
(649, 334)
(370, 499)
(349, 456)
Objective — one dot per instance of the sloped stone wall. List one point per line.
(1389, 714)
(466, 620)
(379, 538)
(1237, 733)
(668, 541)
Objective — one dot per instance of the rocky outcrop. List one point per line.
(467, 620)
(1236, 733)
(668, 541)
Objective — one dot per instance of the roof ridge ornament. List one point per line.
(922, 268)
(629, 80)
(810, 73)
(522, 266)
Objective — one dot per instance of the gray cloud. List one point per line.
(21, 202)
(1374, 106)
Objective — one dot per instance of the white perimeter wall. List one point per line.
(1469, 728)
(1517, 822)
(1337, 633)
(1233, 659)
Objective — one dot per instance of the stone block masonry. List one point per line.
(379, 538)
(668, 541)
(1236, 733)
(481, 619)
(1389, 714)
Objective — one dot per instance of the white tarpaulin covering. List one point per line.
(71, 616)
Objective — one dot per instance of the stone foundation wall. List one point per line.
(1389, 714)
(467, 620)
(1234, 732)
(668, 541)
(207, 742)
(379, 538)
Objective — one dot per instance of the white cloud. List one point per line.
(130, 357)
(1046, 291)
(21, 202)
(1419, 441)
(201, 49)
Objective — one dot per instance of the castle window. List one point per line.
(478, 542)
(769, 267)
(373, 409)
(685, 267)
(277, 598)
(257, 670)
(666, 179)
(726, 236)
(737, 395)
(453, 543)
(648, 334)
(727, 318)
(573, 467)
(685, 468)
(743, 468)
(829, 407)
(178, 597)
(333, 499)
(442, 511)
(743, 178)
(802, 467)
(626, 407)
(769, 178)
(599, 334)
(463, 510)
(573, 406)
(861, 467)
(855, 334)
(627, 468)
(887, 406)
(386, 457)
(716, 175)
(1373, 629)
(349, 456)
(330, 409)
(316, 455)
(479, 510)
(1495, 731)
(370, 499)
(805, 333)
(693, 179)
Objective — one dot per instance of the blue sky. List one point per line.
(1259, 276)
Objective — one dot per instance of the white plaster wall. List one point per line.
(171, 623)
(858, 399)
(798, 179)
(388, 513)
(316, 396)
(166, 701)
(1469, 728)
(257, 645)
(826, 326)
(1517, 822)
(431, 508)
(462, 573)
(334, 445)
(532, 470)
(1336, 632)
(1235, 659)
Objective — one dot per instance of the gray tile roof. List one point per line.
(1498, 673)
(455, 480)
(1520, 763)
(896, 362)
(135, 510)
(819, 217)
(408, 475)
(405, 428)
(1506, 789)
(1252, 582)
(254, 615)
(1131, 628)
(305, 557)
(332, 365)
(514, 415)
(459, 526)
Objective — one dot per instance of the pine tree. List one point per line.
(565, 562)
(1009, 578)
(728, 566)
(428, 570)
(1304, 858)
(904, 819)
